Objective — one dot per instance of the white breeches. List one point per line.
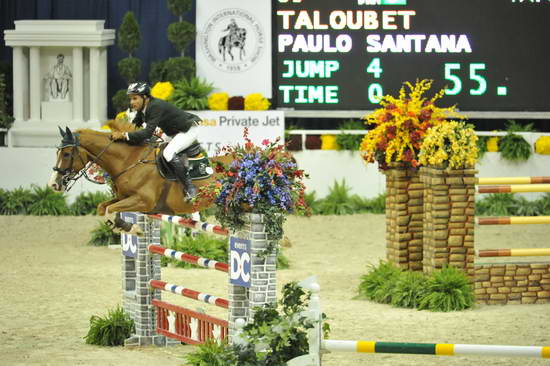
(180, 142)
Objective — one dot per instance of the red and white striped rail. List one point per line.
(188, 258)
(197, 225)
(192, 294)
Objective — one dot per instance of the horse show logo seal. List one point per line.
(233, 40)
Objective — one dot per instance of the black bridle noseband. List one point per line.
(69, 175)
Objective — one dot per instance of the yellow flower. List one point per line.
(256, 102)
(162, 90)
(542, 145)
(218, 101)
(121, 115)
(450, 144)
(401, 125)
(492, 144)
(328, 142)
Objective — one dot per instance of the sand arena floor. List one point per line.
(53, 282)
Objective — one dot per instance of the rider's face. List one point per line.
(137, 102)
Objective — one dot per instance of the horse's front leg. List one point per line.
(103, 205)
(132, 203)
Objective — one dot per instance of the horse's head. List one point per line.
(70, 160)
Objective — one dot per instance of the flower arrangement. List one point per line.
(218, 101)
(262, 179)
(401, 125)
(162, 90)
(492, 144)
(542, 145)
(256, 102)
(451, 145)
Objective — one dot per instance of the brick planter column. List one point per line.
(404, 214)
(449, 210)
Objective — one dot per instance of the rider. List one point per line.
(175, 123)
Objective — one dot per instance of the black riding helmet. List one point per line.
(139, 89)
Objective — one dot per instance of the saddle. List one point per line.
(199, 165)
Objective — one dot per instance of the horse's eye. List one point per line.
(66, 155)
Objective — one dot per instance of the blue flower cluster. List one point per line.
(259, 182)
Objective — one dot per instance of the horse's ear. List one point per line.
(70, 136)
(61, 131)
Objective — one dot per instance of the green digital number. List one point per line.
(375, 67)
(480, 79)
(457, 84)
(375, 93)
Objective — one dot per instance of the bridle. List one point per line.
(68, 175)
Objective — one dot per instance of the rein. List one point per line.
(70, 177)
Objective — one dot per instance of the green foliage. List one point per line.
(202, 245)
(515, 148)
(338, 201)
(447, 290)
(409, 289)
(481, 146)
(443, 290)
(513, 126)
(129, 68)
(45, 201)
(86, 202)
(181, 34)
(496, 204)
(275, 336)
(179, 7)
(375, 205)
(213, 353)
(347, 141)
(5, 120)
(120, 101)
(172, 70)
(129, 35)
(103, 235)
(341, 203)
(111, 330)
(191, 94)
(379, 283)
(16, 202)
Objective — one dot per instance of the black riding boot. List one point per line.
(182, 174)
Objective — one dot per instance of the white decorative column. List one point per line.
(53, 84)
(78, 83)
(103, 83)
(35, 83)
(94, 84)
(19, 94)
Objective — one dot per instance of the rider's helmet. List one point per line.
(139, 88)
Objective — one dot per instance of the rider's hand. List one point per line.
(115, 136)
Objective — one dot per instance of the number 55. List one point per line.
(457, 83)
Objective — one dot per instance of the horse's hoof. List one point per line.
(136, 230)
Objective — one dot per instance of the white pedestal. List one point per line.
(61, 112)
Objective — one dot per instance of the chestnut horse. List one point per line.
(138, 186)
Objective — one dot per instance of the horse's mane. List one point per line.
(121, 125)
(87, 131)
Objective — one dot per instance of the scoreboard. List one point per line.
(490, 55)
